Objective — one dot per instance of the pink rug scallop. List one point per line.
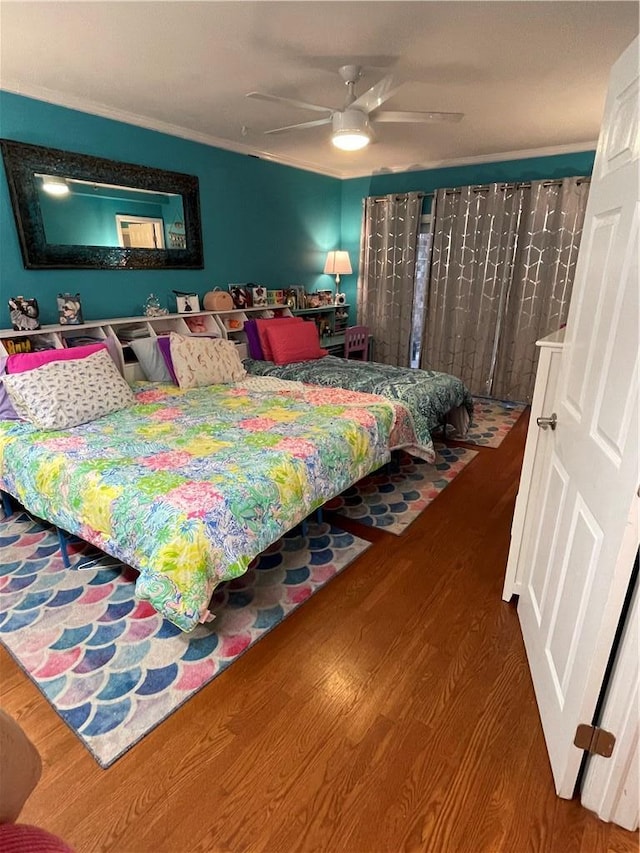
(109, 664)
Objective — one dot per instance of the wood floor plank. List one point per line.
(393, 711)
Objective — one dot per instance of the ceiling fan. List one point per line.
(352, 124)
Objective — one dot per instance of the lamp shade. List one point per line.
(337, 263)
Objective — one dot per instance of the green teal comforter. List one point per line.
(427, 394)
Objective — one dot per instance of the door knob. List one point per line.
(548, 422)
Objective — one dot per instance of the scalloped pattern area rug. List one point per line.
(396, 495)
(492, 421)
(109, 664)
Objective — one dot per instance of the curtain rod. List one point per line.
(397, 196)
(484, 188)
(515, 185)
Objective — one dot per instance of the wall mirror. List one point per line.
(77, 211)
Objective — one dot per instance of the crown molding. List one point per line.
(95, 108)
(40, 93)
(522, 154)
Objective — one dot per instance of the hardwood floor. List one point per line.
(392, 712)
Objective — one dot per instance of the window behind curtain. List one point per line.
(421, 284)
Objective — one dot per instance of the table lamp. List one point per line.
(337, 264)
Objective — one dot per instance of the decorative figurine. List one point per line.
(152, 307)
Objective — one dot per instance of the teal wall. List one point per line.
(73, 218)
(529, 169)
(261, 222)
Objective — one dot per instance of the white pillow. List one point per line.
(63, 394)
(204, 361)
(151, 361)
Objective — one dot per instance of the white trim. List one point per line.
(571, 148)
(72, 102)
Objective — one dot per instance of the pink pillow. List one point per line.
(23, 838)
(295, 343)
(23, 361)
(263, 325)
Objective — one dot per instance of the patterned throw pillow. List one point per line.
(198, 362)
(63, 394)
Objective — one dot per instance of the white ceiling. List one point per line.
(529, 76)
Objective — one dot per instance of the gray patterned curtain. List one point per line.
(474, 243)
(540, 289)
(501, 274)
(387, 264)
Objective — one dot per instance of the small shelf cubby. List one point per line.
(118, 332)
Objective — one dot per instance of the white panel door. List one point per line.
(570, 604)
(611, 786)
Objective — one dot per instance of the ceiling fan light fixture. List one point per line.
(54, 185)
(350, 130)
(350, 141)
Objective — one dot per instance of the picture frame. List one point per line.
(187, 303)
(291, 299)
(312, 300)
(275, 297)
(241, 296)
(24, 313)
(259, 296)
(69, 309)
(298, 294)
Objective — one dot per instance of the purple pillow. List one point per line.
(7, 412)
(165, 349)
(253, 340)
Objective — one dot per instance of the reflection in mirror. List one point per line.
(142, 232)
(84, 213)
(73, 210)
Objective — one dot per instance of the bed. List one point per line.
(188, 486)
(430, 397)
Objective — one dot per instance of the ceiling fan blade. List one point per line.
(303, 124)
(416, 118)
(377, 95)
(303, 105)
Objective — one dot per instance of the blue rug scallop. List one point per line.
(109, 664)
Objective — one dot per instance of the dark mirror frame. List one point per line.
(22, 161)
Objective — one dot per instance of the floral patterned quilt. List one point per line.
(189, 486)
(427, 394)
